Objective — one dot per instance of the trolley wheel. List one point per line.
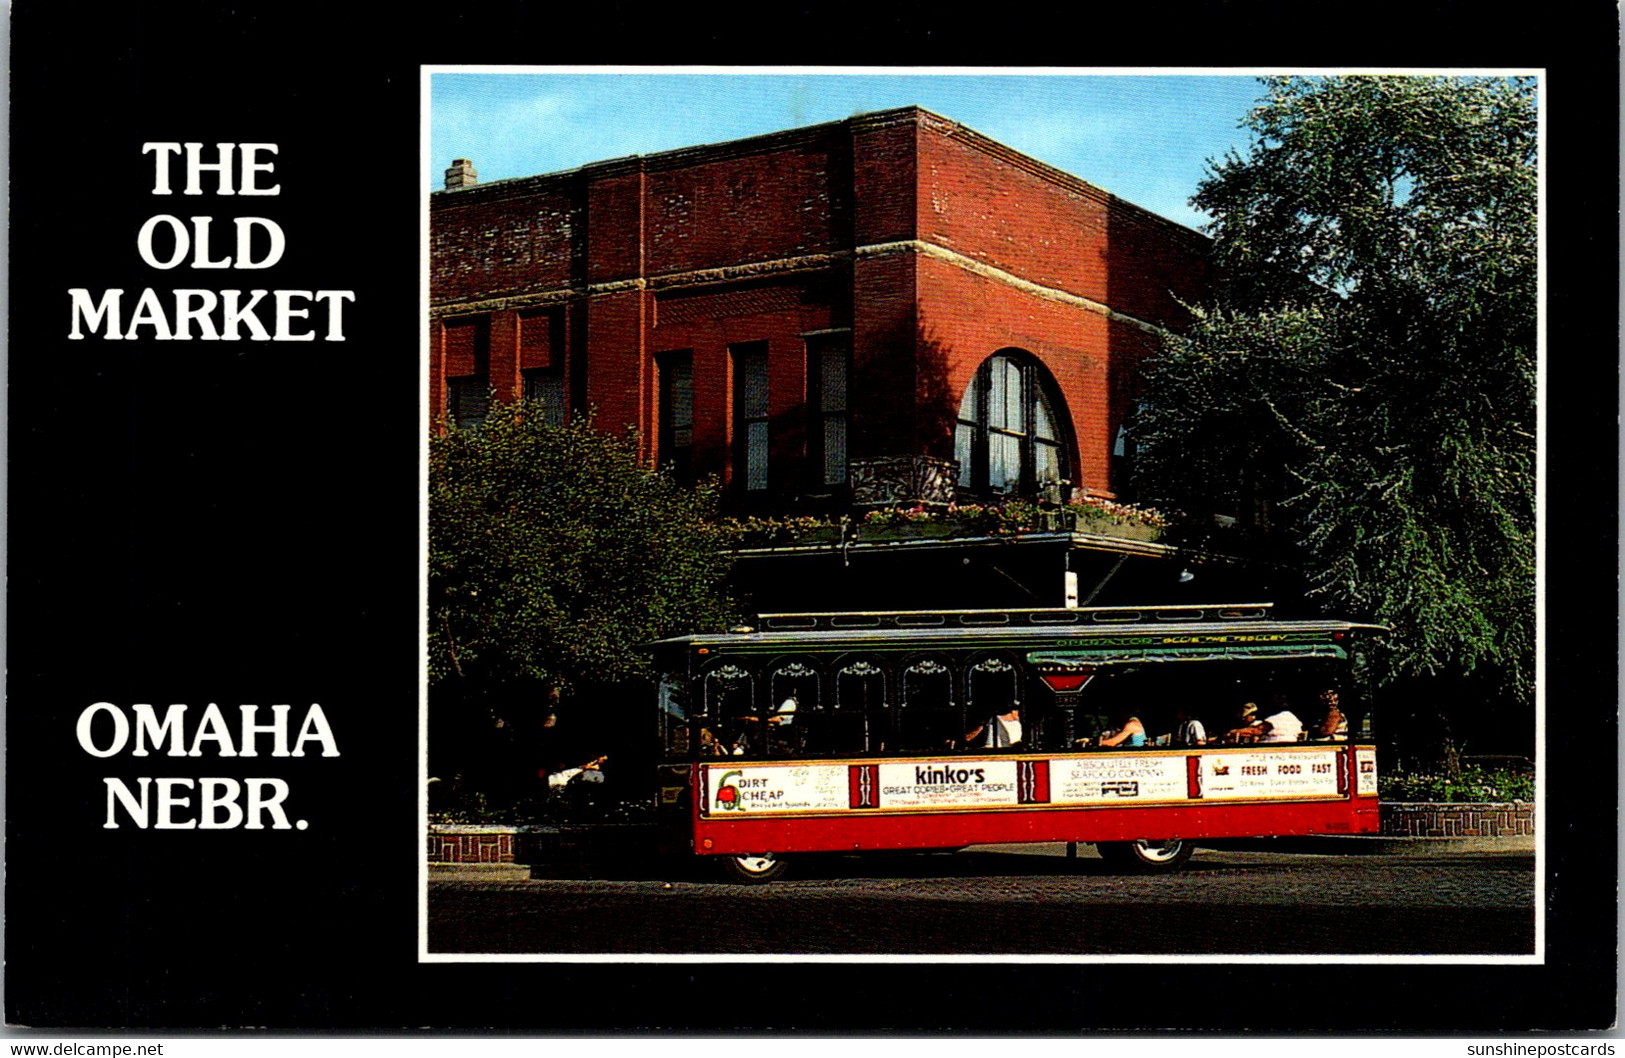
(1146, 857)
(754, 869)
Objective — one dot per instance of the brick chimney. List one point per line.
(461, 174)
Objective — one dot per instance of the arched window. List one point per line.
(992, 687)
(794, 680)
(792, 711)
(729, 706)
(860, 723)
(927, 718)
(1011, 438)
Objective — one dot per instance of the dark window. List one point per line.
(927, 718)
(468, 399)
(860, 720)
(674, 734)
(467, 360)
(728, 711)
(676, 428)
(794, 720)
(1009, 439)
(828, 360)
(991, 687)
(750, 416)
(1124, 449)
(545, 386)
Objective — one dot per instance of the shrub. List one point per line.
(1473, 784)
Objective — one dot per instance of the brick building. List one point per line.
(891, 307)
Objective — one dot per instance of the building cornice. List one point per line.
(926, 120)
(999, 275)
(786, 266)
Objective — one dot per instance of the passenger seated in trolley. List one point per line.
(1333, 724)
(750, 727)
(1248, 727)
(1188, 730)
(1002, 730)
(1130, 733)
(1282, 725)
(712, 746)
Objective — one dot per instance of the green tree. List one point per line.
(1363, 388)
(553, 556)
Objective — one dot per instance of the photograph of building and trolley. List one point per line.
(866, 504)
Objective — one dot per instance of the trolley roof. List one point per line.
(1073, 635)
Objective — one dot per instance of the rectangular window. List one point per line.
(468, 398)
(964, 449)
(1003, 462)
(751, 431)
(1046, 442)
(1047, 462)
(1007, 425)
(676, 428)
(1015, 398)
(1004, 400)
(828, 362)
(467, 364)
(545, 386)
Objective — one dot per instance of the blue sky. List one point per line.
(1145, 138)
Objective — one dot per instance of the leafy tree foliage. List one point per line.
(553, 554)
(1364, 386)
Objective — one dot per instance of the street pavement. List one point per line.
(1020, 900)
(1317, 845)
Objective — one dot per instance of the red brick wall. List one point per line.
(806, 199)
(996, 207)
(708, 321)
(615, 229)
(998, 213)
(465, 348)
(471, 844)
(437, 371)
(539, 334)
(885, 180)
(965, 318)
(620, 373)
(1418, 820)
(885, 320)
(736, 210)
(501, 241)
(504, 355)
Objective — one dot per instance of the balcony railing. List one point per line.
(891, 481)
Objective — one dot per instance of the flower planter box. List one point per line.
(923, 530)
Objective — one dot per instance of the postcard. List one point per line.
(644, 542)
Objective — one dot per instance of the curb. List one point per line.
(1379, 845)
(1313, 844)
(479, 872)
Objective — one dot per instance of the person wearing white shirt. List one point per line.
(999, 731)
(1190, 731)
(1283, 726)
